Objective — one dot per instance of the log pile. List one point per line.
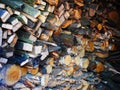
(59, 45)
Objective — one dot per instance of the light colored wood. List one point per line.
(66, 60)
(7, 26)
(10, 39)
(84, 63)
(49, 69)
(3, 60)
(1, 36)
(9, 10)
(11, 74)
(52, 2)
(44, 80)
(30, 17)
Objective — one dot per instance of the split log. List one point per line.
(44, 80)
(2, 5)
(1, 36)
(4, 15)
(9, 10)
(10, 74)
(24, 46)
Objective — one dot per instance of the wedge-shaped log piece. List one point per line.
(2, 5)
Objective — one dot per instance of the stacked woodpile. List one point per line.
(59, 45)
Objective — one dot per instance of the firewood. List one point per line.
(37, 49)
(2, 5)
(14, 4)
(67, 23)
(102, 54)
(44, 37)
(77, 13)
(4, 36)
(3, 60)
(24, 46)
(22, 18)
(79, 2)
(84, 63)
(51, 8)
(66, 15)
(37, 26)
(35, 13)
(42, 18)
(40, 7)
(38, 32)
(61, 8)
(33, 70)
(70, 70)
(11, 74)
(7, 26)
(1, 66)
(66, 60)
(49, 69)
(54, 2)
(44, 52)
(29, 84)
(17, 26)
(9, 10)
(24, 71)
(30, 17)
(19, 58)
(100, 67)
(19, 86)
(13, 20)
(1, 36)
(43, 2)
(67, 6)
(99, 26)
(44, 80)
(16, 12)
(61, 13)
(10, 39)
(114, 16)
(4, 15)
(26, 36)
(9, 32)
